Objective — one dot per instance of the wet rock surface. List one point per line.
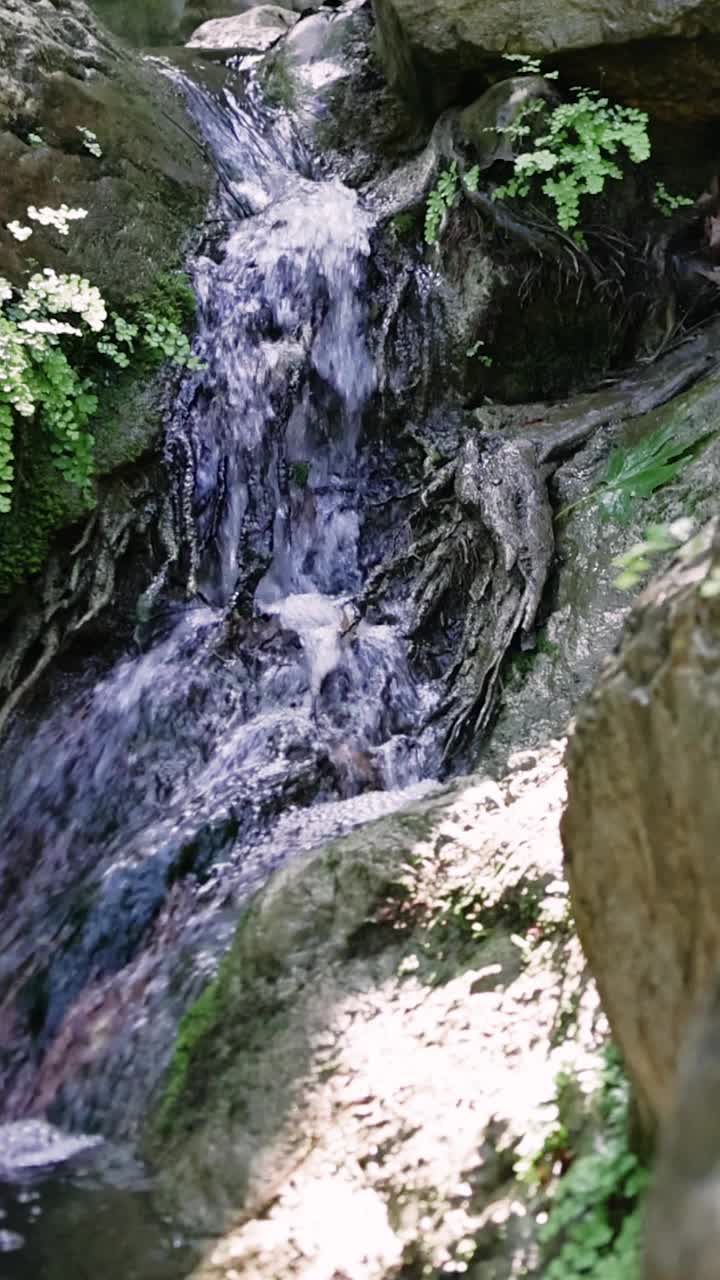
(540, 689)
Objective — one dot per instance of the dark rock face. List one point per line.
(442, 50)
(640, 831)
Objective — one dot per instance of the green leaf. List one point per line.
(638, 470)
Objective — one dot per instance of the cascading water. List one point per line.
(348, 566)
(264, 714)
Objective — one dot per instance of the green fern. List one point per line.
(635, 472)
(594, 1224)
(578, 153)
(638, 471)
(441, 198)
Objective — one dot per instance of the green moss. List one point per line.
(200, 1022)
(405, 226)
(299, 472)
(42, 502)
(279, 85)
(521, 663)
(169, 297)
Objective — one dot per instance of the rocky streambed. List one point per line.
(364, 562)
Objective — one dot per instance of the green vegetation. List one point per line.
(521, 663)
(637, 471)
(666, 202)
(593, 1228)
(678, 537)
(299, 473)
(89, 141)
(577, 152)
(638, 560)
(200, 1020)
(474, 352)
(443, 197)
(57, 342)
(279, 85)
(403, 225)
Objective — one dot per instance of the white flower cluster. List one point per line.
(52, 327)
(13, 367)
(52, 294)
(60, 219)
(19, 231)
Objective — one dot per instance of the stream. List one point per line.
(348, 568)
(263, 714)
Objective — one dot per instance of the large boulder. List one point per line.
(253, 32)
(641, 828)
(437, 51)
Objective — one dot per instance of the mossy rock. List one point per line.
(144, 195)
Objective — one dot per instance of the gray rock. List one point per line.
(253, 32)
(541, 692)
(146, 191)
(640, 831)
(167, 21)
(325, 1100)
(485, 122)
(682, 1219)
(428, 46)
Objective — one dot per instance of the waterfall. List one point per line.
(266, 711)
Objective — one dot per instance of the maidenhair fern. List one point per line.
(443, 196)
(578, 152)
(667, 201)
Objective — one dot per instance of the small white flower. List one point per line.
(5, 289)
(17, 230)
(48, 326)
(90, 141)
(57, 218)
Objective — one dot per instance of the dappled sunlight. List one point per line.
(431, 1062)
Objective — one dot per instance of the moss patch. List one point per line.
(199, 1023)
